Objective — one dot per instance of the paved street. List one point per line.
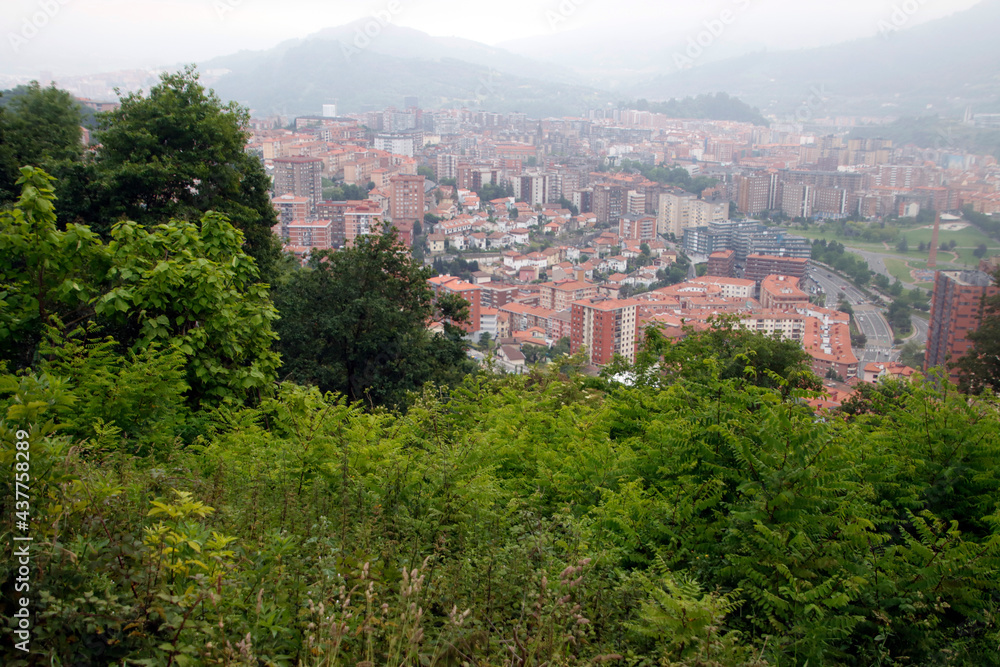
(868, 318)
(920, 327)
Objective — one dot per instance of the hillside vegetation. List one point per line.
(703, 515)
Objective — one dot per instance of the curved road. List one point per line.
(867, 318)
(920, 327)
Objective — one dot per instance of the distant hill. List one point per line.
(299, 76)
(939, 67)
(712, 107)
(942, 66)
(936, 132)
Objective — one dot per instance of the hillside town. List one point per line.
(588, 230)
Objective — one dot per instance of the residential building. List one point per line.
(637, 228)
(406, 197)
(301, 177)
(316, 234)
(560, 295)
(289, 208)
(471, 293)
(759, 267)
(604, 327)
(957, 306)
(360, 218)
(782, 293)
(722, 263)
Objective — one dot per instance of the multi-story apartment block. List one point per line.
(674, 212)
(560, 295)
(397, 144)
(316, 234)
(406, 197)
(604, 327)
(360, 218)
(797, 200)
(956, 309)
(782, 293)
(289, 208)
(756, 194)
(761, 266)
(301, 177)
(532, 188)
(707, 211)
(637, 227)
(722, 263)
(447, 166)
(610, 203)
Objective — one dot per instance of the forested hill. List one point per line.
(719, 106)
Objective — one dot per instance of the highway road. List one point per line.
(833, 285)
(875, 260)
(868, 318)
(920, 327)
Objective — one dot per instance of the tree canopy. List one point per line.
(177, 152)
(182, 284)
(545, 517)
(39, 127)
(355, 322)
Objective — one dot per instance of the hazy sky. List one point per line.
(68, 37)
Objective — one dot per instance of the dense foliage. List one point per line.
(176, 152)
(181, 285)
(833, 254)
(531, 519)
(355, 321)
(677, 176)
(39, 127)
(719, 106)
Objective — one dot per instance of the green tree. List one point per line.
(569, 206)
(181, 284)
(44, 272)
(40, 128)
(727, 351)
(191, 285)
(355, 322)
(912, 355)
(178, 152)
(980, 250)
(426, 172)
(903, 246)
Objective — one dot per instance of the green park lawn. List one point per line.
(966, 241)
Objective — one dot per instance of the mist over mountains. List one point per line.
(942, 66)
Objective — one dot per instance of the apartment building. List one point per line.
(406, 199)
(956, 309)
(301, 177)
(604, 327)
